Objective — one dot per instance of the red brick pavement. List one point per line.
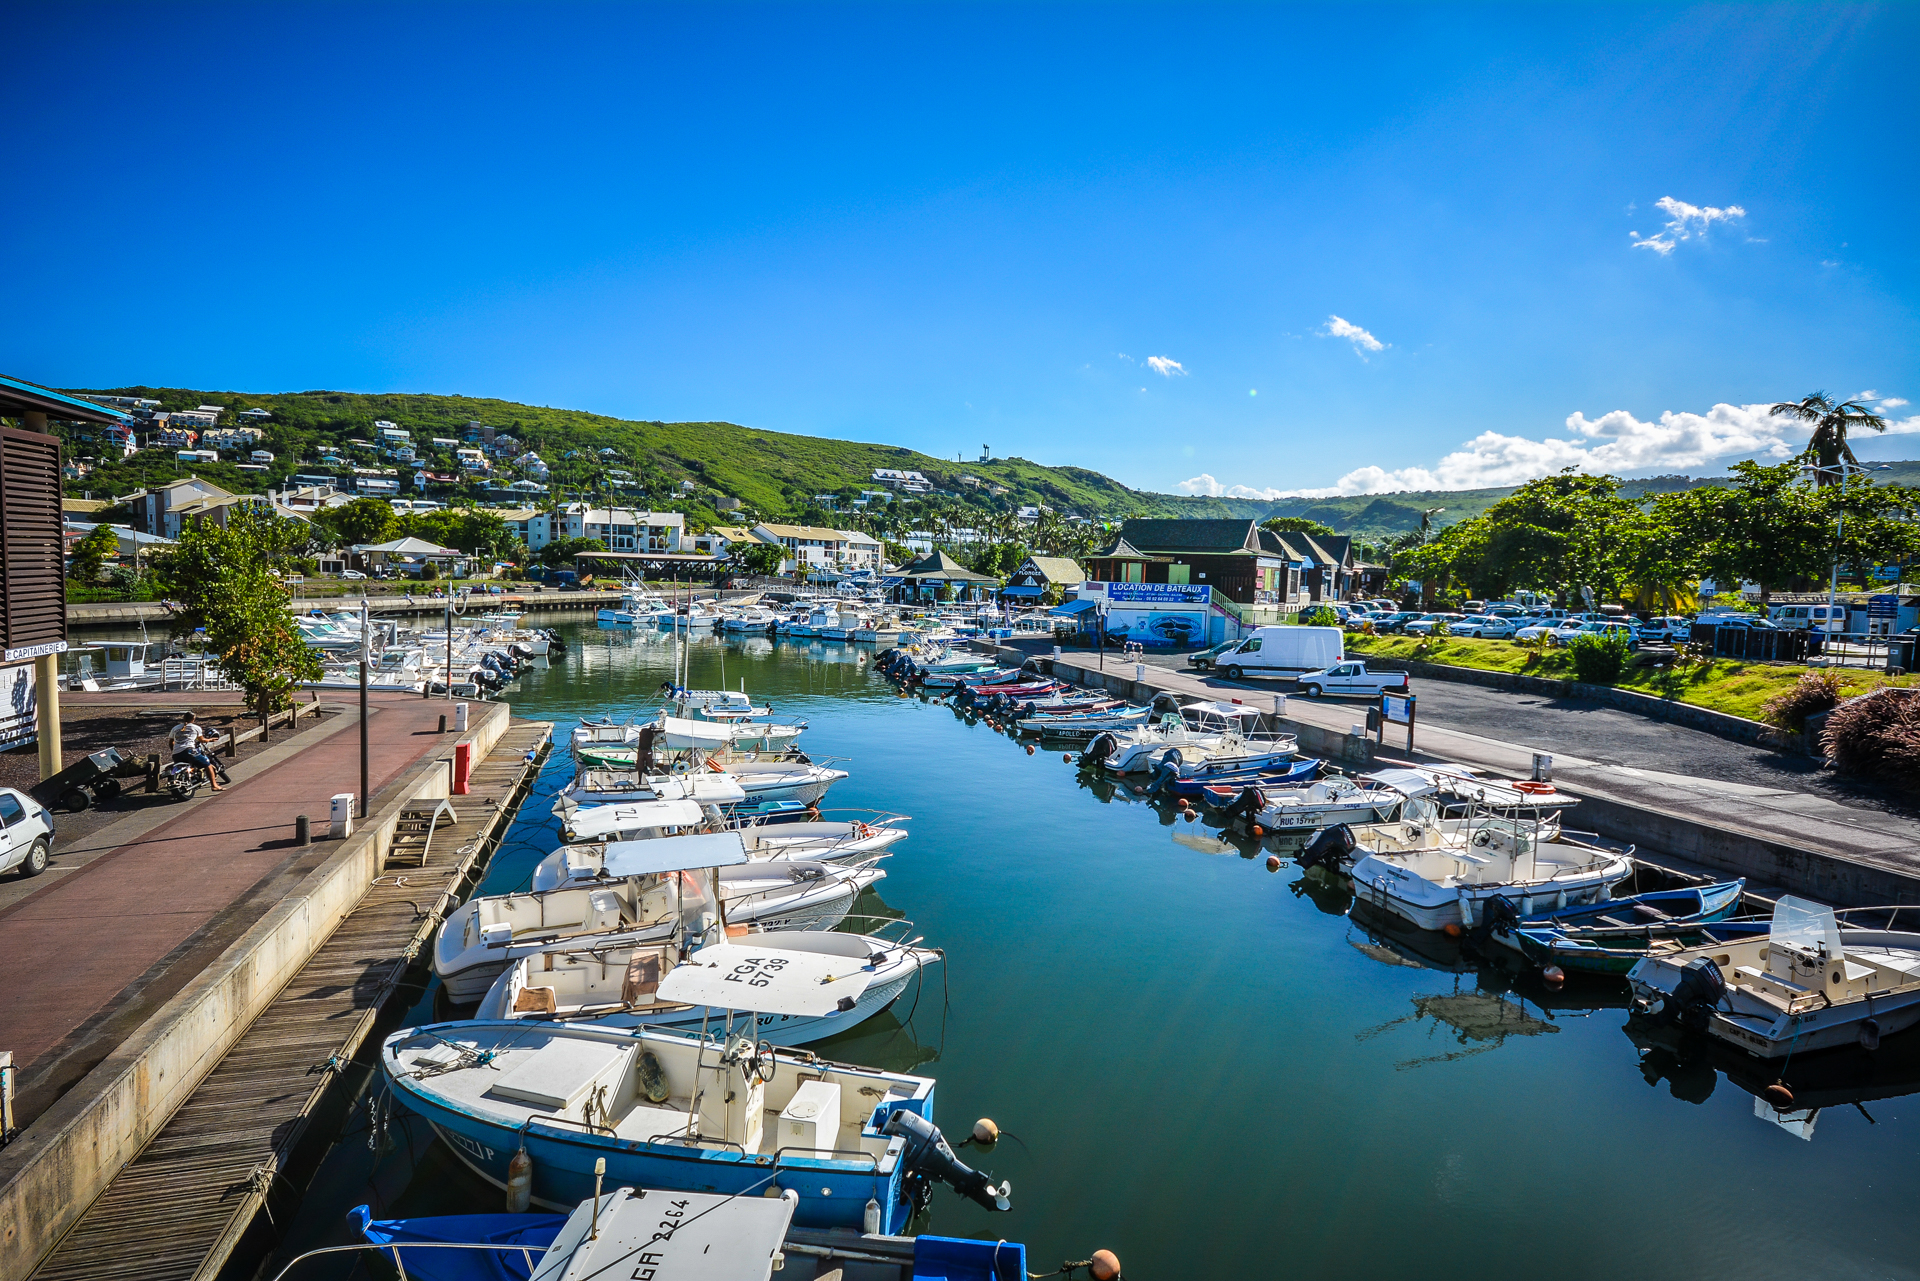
(68, 951)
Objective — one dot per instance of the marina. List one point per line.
(1397, 1041)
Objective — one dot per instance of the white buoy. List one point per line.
(870, 1221)
(985, 1131)
(519, 1181)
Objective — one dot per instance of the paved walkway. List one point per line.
(85, 955)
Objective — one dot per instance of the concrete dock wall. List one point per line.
(67, 1156)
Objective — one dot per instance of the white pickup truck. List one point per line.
(1351, 678)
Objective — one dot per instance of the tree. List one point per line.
(762, 559)
(561, 551)
(1831, 422)
(91, 553)
(1768, 528)
(1297, 525)
(362, 521)
(225, 581)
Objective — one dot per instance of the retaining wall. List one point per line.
(66, 1158)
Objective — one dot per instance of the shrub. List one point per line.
(429, 572)
(1813, 692)
(1319, 616)
(1598, 659)
(1878, 736)
(1440, 630)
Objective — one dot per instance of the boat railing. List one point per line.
(396, 1246)
(592, 1127)
(902, 924)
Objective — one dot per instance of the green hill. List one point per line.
(774, 473)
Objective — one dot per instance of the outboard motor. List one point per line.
(1694, 998)
(928, 1159)
(1100, 748)
(1499, 916)
(1164, 777)
(1329, 848)
(1246, 805)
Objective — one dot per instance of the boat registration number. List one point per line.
(756, 971)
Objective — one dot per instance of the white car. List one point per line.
(351, 573)
(26, 833)
(1485, 627)
(1351, 678)
(1422, 626)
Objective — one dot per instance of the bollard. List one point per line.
(460, 718)
(233, 743)
(462, 767)
(443, 722)
(302, 831)
(153, 772)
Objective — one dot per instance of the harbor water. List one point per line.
(1219, 1071)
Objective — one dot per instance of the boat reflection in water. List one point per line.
(1692, 1064)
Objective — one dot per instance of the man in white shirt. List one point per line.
(186, 739)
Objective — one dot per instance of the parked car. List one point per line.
(1608, 627)
(1351, 678)
(1387, 624)
(1668, 629)
(26, 833)
(1425, 624)
(1485, 627)
(352, 573)
(1203, 659)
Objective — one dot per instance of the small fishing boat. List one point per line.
(672, 889)
(594, 830)
(617, 984)
(1609, 937)
(1807, 984)
(725, 1113)
(1436, 878)
(618, 1232)
(1089, 725)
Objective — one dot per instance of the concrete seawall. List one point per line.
(67, 1157)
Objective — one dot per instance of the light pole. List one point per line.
(1844, 469)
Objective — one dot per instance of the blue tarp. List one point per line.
(1075, 607)
(1019, 590)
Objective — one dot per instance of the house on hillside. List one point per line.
(1236, 558)
(161, 508)
(720, 541)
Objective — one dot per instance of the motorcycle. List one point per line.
(183, 778)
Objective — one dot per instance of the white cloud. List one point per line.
(1166, 368)
(1891, 402)
(1684, 222)
(1360, 338)
(1615, 442)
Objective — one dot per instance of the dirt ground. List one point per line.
(136, 731)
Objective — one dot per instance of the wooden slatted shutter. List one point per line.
(33, 591)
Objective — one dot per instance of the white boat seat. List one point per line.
(603, 912)
(644, 1121)
(1470, 858)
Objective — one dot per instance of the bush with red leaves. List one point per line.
(1877, 736)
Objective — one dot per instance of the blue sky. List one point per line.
(1383, 245)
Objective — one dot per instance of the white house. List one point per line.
(909, 482)
(814, 548)
(534, 465)
(622, 529)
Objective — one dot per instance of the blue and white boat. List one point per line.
(724, 1113)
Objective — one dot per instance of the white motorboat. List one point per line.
(1292, 815)
(591, 831)
(1435, 877)
(618, 985)
(1215, 735)
(1810, 984)
(677, 889)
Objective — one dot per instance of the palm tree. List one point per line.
(1831, 422)
(1426, 521)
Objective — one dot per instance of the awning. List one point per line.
(675, 854)
(1075, 607)
(1020, 589)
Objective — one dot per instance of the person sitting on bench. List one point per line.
(186, 740)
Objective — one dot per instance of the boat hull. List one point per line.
(1433, 906)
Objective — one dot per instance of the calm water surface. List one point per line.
(1214, 1070)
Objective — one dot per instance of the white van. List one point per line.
(1282, 651)
(1815, 617)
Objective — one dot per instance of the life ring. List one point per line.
(1533, 788)
(679, 767)
(861, 830)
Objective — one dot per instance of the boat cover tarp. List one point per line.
(527, 1232)
(1075, 607)
(675, 854)
(765, 980)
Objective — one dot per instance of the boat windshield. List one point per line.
(1804, 925)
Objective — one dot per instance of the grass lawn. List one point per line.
(1721, 685)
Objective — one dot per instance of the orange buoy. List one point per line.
(1029, 749)
(1139, 790)
(1779, 1095)
(1189, 815)
(1180, 804)
(1554, 976)
(1273, 862)
(1452, 929)
(1104, 1266)
(985, 1131)
(1258, 831)
(1067, 757)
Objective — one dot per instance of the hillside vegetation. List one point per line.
(774, 473)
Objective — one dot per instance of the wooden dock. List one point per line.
(186, 1203)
